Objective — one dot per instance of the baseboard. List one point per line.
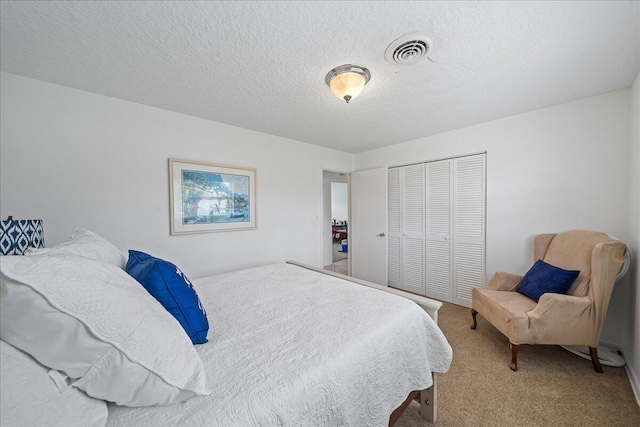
(635, 383)
(633, 377)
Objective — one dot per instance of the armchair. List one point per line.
(572, 319)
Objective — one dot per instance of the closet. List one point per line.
(406, 228)
(436, 229)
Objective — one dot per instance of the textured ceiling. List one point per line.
(261, 65)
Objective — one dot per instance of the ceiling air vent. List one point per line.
(409, 49)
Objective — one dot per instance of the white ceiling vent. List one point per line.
(409, 49)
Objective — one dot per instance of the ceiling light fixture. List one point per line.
(347, 81)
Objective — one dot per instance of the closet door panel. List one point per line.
(438, 213)
(468, 226)
(394, 261)
(393, 229)
(469, 196)
(413, 200)
(469, 268)
(413, 224)
(413, 265)
(439, 198)
(438, 270)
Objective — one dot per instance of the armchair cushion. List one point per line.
(545, 278)
(507, 311)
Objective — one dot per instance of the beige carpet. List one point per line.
(552, 387)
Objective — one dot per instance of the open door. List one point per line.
(335, 218)
(368, 225)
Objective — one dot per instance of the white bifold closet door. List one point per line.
(406, 228)
(436, 214)
(393, 228)
(439, 246)
(468, 226)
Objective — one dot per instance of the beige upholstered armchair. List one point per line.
(572, 319)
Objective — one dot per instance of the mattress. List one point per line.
(289, 346)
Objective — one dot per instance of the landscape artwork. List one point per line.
(210, 197)
(214, 197)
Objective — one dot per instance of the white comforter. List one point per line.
(289, 346)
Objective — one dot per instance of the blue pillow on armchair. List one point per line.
(545, 278)
(173, 290)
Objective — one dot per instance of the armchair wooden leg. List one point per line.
(514, 356)
(475, 321)
(593, 351)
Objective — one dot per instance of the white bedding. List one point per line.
(289, 346)
(34, 395)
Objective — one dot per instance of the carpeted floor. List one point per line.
(552, 387)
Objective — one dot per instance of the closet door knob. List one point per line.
(381, 235)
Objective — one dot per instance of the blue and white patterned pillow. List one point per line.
(173, 290)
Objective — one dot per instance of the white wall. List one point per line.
(77, 159)
(632, 338)
(560, 168)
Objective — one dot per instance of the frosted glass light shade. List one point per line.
(347, 84)
(347, 81)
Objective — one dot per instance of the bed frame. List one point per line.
(428, 397)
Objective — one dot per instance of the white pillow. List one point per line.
(88, 244)
(31, 396)
(94, 322)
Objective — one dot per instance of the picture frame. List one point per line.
(208, 197)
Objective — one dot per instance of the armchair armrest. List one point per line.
(563, 319)
(502, 281)
(568, 305)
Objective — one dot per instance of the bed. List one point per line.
(291, 345)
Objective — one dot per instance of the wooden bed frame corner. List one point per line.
(428, 397)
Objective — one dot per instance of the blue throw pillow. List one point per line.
(544, 278)
(173, 290)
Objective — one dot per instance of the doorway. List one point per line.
(336, 222)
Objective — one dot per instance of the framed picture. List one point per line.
(206, 197)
